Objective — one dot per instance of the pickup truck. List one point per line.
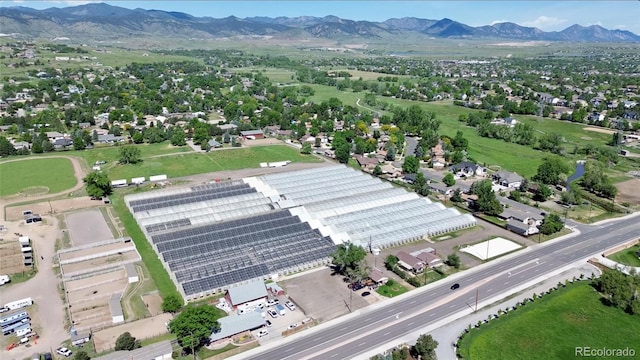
(281, 310)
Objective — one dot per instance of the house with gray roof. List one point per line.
(521, 228)
(507, 179)
(467, 169)
(236, 324)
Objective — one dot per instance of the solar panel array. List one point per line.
(213, 236)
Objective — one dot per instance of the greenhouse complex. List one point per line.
(211, 237)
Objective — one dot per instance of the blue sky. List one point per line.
(545, 15)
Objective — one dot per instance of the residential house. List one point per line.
(62, 143)
(437, 156)
(378, 276)
(467, 169)
(110, 139)
(21, 145)
(409, 262)
(366, 163)
(441, 188)
(391, 171)
(510, 122)
(252, 134)
(428, 257)
(521, 228)
(507, 179)
(214, 144)
(54, 135)
(521, 216)
(548, 99)
(228, 126)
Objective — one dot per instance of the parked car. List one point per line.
(290, 305)
(357, 286)
(366, 293)
(272, 313)
(47, 356)
(64, 351)
(455, 286)
(263, 332)
(293, 326)
(273, 302)
(268, 322)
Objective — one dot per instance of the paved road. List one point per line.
(426, 306)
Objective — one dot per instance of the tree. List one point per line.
(98, 184)
(172, 303)
(410, 165)
(347, 256)
(542, 193)
(425, 347)
(200, 135)
(127, 342)
(36, 145)
(138, 138)
(47, 146)
(78, 143)
(449, 180)
(6, 148)
(343, 152)
(177, 139)
(550, 170)
(453, 260)
(391, 153)
(377, 171)
(81, 355)
(551, 224)
(487, 201)
(456, 197)
(129, 155)
(194, 325)
(420, 185)
(226, 138)
(306, 148)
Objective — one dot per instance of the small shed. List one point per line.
(115, 307)
(275, 289)
(132, 274)
(252, 134)
(78, 339)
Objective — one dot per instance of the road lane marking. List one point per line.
(413, 302)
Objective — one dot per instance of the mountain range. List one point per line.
(99, 21)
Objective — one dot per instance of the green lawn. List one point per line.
(110, 154)
(391, 290)
(199, 163)
(17, 175)
(627, 257)
(552, 327)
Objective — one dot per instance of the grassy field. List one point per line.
(15, 176)
(391, 289)
(158, 273)
(552, 327)
(111, 153)
(627, 257)
(198, 163)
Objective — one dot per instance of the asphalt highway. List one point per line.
(348, 339)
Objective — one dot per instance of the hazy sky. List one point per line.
(545, 15)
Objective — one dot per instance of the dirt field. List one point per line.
(88, 282)
(596, 129)
(11, 257)
(95, 250)
(86, 227)
(141, 329)
(154, 303)
(628, 192)
(89, 265)
(48, 207)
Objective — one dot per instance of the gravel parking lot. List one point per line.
(86, 227)
(322, 296)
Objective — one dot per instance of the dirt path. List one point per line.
(78, 171)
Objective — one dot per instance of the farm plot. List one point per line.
(100, 262)
(11, 260)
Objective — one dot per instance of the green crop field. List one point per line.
(552, 327)
(198, 163)
(53, 173)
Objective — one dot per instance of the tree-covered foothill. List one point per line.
(194, 325)
(98, 184)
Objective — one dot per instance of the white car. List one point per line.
(263, 332)
(293, 326)
(64, 351)
(290, 305)
(272, 313)
(273, 302)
